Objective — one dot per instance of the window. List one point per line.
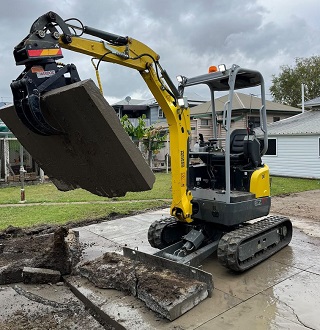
(276, 119)
(204, 122)
(272, 147)
(255, 121)
(160, 113)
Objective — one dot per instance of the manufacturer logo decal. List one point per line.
(45, 74)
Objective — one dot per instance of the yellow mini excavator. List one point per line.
(215, 198)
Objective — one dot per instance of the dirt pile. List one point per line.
(57, 251)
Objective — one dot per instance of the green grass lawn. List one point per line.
(34, 215)
(48, 193)
(31, 215)
(28, 216)
(281, 185)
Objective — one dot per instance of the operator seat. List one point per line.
(237, 138)
(244, 148)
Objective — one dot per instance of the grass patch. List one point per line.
(48, 193)
(280, 185)
(35, 215)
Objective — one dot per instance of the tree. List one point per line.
(152, 138)
(286, 87)
(154, 141)
(136, 132)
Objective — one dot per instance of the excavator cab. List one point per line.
(229, 183)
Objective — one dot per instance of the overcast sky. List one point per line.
(189, 36)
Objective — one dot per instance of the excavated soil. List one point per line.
(114, 271)
(299, 205)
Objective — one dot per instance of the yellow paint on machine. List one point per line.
(260, 182)
(50, 52)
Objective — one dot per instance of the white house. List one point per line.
(294, 146)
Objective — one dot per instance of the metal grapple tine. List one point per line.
(28, 108)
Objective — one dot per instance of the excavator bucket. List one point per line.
(91, 150)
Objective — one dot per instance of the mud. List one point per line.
(51, 251)
(44, 307)
(161, 290)
(92, 152)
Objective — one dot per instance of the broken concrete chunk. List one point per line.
(93, 152)
(59, 251)
(163, 291)
(33, 275)
(111, 271)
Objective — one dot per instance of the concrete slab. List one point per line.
(247, 284)
(94, 246)
(32, 275)
(132, 314)
(43, 307)
(260, 312)
(131, 232)
(299, 297)
(290, 304)
(93, 152)
(301, 251)
(255, 299)
(315, 269)
(176, 295)
(132, 225)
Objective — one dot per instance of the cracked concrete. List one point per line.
(43, 307)
(175, 296)
(280, 293)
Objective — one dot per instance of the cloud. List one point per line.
(189, 35)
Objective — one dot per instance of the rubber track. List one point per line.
(156, 229)
(229, 244)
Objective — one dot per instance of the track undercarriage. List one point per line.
(237, 249)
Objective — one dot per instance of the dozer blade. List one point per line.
(93, 151)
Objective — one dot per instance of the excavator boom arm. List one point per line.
(43, 46)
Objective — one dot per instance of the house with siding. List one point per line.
(134, 109)
(154, 115)
(294, 144)
(246, 109)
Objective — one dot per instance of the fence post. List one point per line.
(22, 173)
(6, 158)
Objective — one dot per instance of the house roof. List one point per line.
(191, 96)
(306, 123)
(131, 102)
(313, 103)
(241, 102)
